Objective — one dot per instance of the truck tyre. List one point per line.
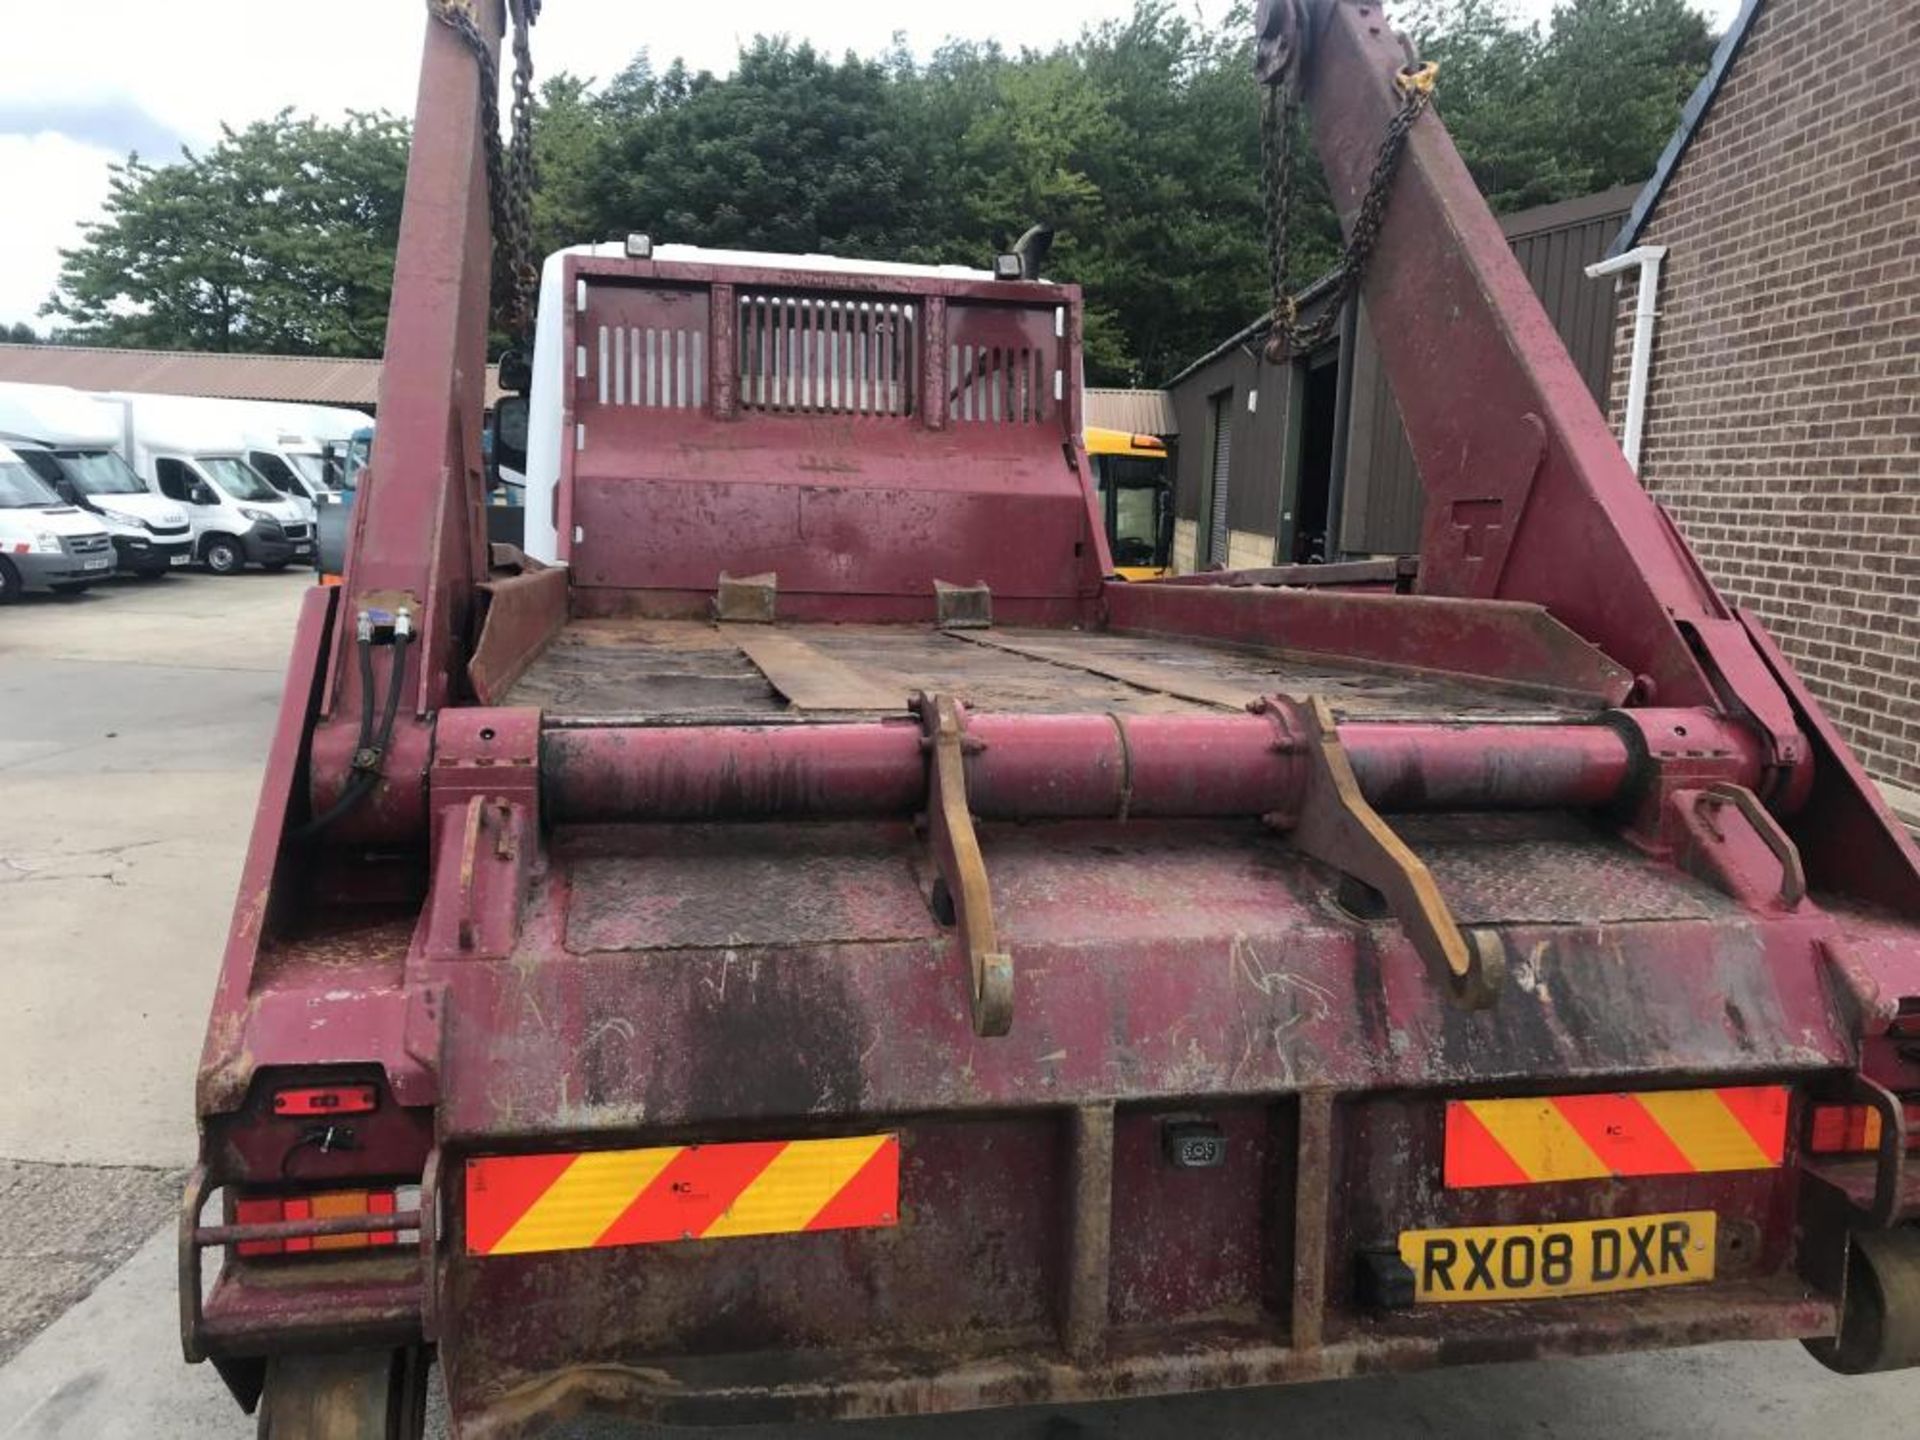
(222, 555)
(359, 1395)
(9, 582)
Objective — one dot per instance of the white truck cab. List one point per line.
(45, 544)
(68, 439)
(193, 451)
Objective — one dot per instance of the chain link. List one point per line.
(510, 171)
(1279, 115)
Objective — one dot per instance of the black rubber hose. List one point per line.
(363, 782)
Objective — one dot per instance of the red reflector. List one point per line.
(324, 1100)
(1854, 1129)
(269, 1210)
(258, 1212)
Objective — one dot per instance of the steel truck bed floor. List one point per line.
(667, 671)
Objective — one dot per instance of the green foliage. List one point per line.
(1138, 142)
(19, 333)
(1585, 103)
(280, 238)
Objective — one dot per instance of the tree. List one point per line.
(1581, 105)
(1139, 142)
(19, 333)
(280, 238)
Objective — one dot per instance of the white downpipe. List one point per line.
(1647, 258)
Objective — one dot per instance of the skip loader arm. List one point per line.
(1528, 496)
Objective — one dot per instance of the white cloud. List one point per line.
(53, 186)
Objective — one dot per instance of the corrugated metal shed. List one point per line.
(1554, 244)
(313, 379)
(1143, 412)
(1374, 490)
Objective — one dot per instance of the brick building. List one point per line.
(1782, 424)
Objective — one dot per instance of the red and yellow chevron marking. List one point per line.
(523, 1204)
(1591, 1137)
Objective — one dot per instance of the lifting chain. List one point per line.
(1280, 51)
(509, 167)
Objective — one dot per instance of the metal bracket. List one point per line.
(481, 858)
(746, 599)
(1337, 827)
(962, 607)
(956, 850)
(1718, 855)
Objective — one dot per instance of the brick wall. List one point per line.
(1783, 420)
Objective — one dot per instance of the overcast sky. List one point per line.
(87, 80)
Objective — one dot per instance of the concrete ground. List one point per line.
(133, 724)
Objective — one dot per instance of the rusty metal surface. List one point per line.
(742, 888)
(636, 670)
(1395, 572)
(862, 475)
(1080, 766)
(523, 614)
(1495, 643)
(1257, 980)
(1528, 497)
(1554, 867)
(810, 679)
(878, 1382)
(746, 599)
(1336, 826)
(963, 889)
(619, 984)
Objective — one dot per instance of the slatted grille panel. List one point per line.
(998, 385)
(818, 355)
(648, 367)
(1004, 365)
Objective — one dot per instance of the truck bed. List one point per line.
(634, 671)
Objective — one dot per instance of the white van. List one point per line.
(45, 544)
(68, 440)
(289, 444)
(191, 451)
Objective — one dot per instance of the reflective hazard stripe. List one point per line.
(524, 1204)
(1590, 1137)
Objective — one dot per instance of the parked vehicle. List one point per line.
(192, 451)
(1135, 491)
(45, 543)
(349, 456)
(290, 445)
(68, 439)
(824, 946)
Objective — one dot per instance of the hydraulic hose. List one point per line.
(369, 755)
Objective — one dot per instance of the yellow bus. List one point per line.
(1130, 475)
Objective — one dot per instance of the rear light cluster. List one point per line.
(1855, 1129)
(267, 1210)
(325, 1100)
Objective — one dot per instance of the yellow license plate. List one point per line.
(1575, 1257)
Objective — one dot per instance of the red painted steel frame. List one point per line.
(858, 514)
(633, 980)
(419, 534)
(1520, 471)
(1025, 767)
